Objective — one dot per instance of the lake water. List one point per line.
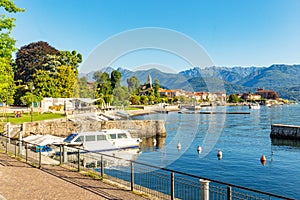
(242, 138)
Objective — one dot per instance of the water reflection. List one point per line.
(152, 143)
(285, 142)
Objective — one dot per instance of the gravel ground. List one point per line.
(19, 180)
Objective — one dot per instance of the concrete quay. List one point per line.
(282, 131)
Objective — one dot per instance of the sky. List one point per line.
(230, 32)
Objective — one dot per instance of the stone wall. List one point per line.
(61, 127)
(285, 131)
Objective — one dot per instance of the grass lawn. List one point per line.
(26, 117)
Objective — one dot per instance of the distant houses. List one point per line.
(260, 95)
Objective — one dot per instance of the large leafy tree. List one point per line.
(65, 80)
(7, 47)
(33, 57)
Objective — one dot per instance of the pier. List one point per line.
(282, 131)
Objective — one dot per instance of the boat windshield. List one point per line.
(111, 136)
(79, 139)
(70, 137)
(122, 135)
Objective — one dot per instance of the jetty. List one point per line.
(214, 112)
(282, 131)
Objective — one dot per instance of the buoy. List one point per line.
(199, 149)
(220, 154)
(178, 145)
(154, 142)
(263, 158)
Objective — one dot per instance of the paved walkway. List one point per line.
(19, 180)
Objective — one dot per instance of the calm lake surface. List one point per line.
(242, 138)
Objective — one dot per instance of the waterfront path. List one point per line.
(19, 180)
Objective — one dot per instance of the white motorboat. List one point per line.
(254, 106)
(104, 140)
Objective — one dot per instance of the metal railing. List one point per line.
(160, 183)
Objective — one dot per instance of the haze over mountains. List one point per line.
(284, 79)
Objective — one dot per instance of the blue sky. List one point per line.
(233, 33)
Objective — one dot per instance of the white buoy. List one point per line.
(220, 154)
(178, 145)
(199, 149)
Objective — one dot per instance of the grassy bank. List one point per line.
(26, 117)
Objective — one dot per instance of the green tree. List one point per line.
(72, 59)
(115, 78)
(85, 90)
(7, 43)
(65, 80)
(134, 99)
(33, 57)
(7, 85)
(120, 96)
(7, 47)
(233, 98)
(133, 84)
(156, 88)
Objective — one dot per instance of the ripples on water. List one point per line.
(243, 139)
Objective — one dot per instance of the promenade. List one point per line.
(22, 181)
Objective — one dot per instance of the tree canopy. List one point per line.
(7, 47)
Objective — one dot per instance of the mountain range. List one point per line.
(284, 79)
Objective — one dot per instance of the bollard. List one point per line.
(132, 176)
(205, 189)
(172, 186)
(229, 193)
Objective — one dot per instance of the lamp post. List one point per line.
(31, 90)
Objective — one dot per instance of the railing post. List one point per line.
(78, 158)
(205, 189)
(40, 158)
(102, 167)
(8, 131)
(15, 148)
(6, 146)
(26, 152)
(65, 156)
(229, 193)
(172, 186)
(132, 176)
(60, 154)
(20, 143)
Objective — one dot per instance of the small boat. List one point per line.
(192, 107)
(116, 144)
(104, 140)
(254, 106)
